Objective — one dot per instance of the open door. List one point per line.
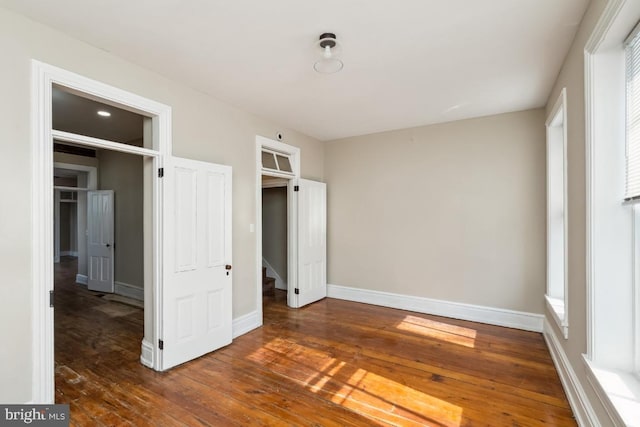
(312, 241)
(196, 302)
(100, 243)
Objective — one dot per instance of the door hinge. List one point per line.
(160, 172)
(161, 344)
(296, 291)
(51, 298)
(296, 188)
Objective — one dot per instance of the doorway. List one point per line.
(45, 77)
(306, 223)
(274, 239)
(99, 287)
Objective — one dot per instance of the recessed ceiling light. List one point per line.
(104, 113)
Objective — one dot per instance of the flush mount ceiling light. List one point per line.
(328, 63)
(104, 113)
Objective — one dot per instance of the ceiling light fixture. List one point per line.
(104, 113)
(328, 63)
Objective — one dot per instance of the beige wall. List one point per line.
(122, 173)
(571, 76)
(203, 129)
(274, 229)
(454, 211)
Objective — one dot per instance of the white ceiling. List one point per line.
(407, 62)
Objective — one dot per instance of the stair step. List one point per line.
(268, 286)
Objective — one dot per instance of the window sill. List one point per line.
(618, 391)
(556, 307)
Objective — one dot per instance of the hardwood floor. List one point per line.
(334, 363)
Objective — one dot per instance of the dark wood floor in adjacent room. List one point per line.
(334, 363)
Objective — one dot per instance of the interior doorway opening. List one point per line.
(99, 213)
(158, 126)
(279, 164)
(275, 236)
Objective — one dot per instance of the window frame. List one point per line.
(612, 232)
(556, 126)
(278, 171)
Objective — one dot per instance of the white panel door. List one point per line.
(100, 243)
(312, 241)
(196, 295)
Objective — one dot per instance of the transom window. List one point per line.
(276, 162)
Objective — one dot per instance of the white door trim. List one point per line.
(75, 138)
(92, 174)
(92, 184)
(43, 77)
(294, 152)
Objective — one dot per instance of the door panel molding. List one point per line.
(197, 286)
(311, 204)
(100, 240)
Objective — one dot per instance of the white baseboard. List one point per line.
(81, 279)
(578, 400)
(130, 291)
(69, 253)
(146, 354)
(280, 284)
(475, 313)
(246, 323)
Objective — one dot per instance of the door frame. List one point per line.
(43, 77)
(292, 229)
(92, 184)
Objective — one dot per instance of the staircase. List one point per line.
(268, 284)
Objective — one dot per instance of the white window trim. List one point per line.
(559, 307)
(610, 224)
(636, 289)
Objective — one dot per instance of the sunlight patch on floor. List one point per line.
(383, 393)
(442, 331)
(363, 391)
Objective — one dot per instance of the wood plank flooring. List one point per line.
(334, 363)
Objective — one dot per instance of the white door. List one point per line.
(196, 302)
(312, 241)
(100, 243)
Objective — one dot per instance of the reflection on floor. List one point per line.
(334, 363)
